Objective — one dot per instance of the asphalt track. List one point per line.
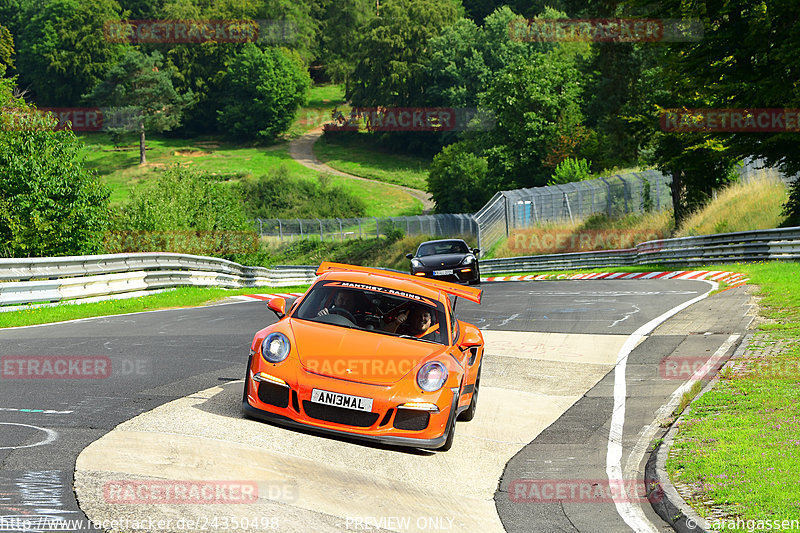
(549, 406)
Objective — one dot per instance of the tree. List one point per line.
(201, 67)
(536, 101)
(458, 180)
(746, 55)
(264, 90)
(50, 204)
(63, 51)
(392, 55)
(6, 50)
(341, 24)
(140, 83)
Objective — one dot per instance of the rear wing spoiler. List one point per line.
(468, 293)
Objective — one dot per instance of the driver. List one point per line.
(344, 300)
(418, 323)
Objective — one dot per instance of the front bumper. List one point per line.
(289, 405)
(283, 420)
(460, 274)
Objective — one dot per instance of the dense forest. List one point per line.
(559, 106)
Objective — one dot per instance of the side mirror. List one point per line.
(471, 337)
(278, 306)
(409, 256)
(476, 251)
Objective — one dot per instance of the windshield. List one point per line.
(444, 247)
(374, 308)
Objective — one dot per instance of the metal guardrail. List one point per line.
(55, 279)
(748, 246)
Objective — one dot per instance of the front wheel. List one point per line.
(451, 430)
(469, 414)
(477, 280)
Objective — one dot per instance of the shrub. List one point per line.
(458, 180)
(570, 170)
(264, 90)
(280, 195)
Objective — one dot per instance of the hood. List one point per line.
(357, 355)
(442, 260)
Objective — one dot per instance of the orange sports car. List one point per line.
(370, 354)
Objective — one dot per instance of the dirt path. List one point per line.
(301, 150)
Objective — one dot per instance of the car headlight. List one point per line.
(469, 260)
(275, 348)
(431, 376)
(416, 263)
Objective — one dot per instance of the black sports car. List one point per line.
(448, 260)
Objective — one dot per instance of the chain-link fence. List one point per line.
(635, 192)
(507, 210)
(755, 169)
(339, 229)
(614, 195)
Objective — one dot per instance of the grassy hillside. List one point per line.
(757, 204)
(119, 165)
(740, 207)
(361, 156)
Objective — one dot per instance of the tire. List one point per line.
(469, 414)
(246, 379)
(451, 430)
(477, 280)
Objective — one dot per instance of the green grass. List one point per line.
(599, 231)
(361, 156)
(176, 298)
(321, 103)
(740, 207)
(121, 171)
(739, 445)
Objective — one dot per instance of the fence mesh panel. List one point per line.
(506, 211)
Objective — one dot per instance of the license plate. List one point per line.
(337, 399)
(442, 272)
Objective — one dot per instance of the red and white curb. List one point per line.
(734, 279)
(265, 297)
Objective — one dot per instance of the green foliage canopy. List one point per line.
(63, 52)
(50, 205)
